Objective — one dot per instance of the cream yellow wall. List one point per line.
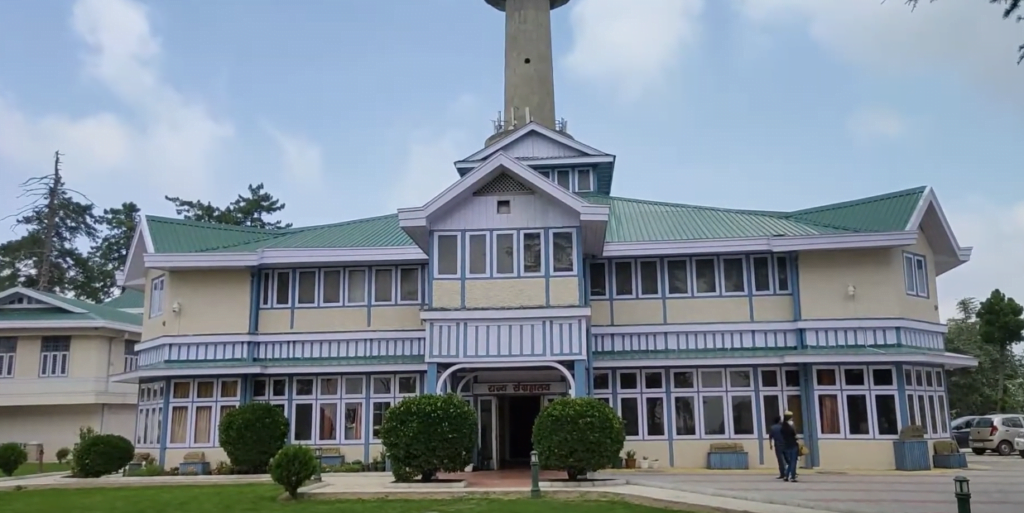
(90, 357)
(601, 313)
(652, 449)
(693, 453)
(311, 320)
(877, 276)
(508, 293)
(446, 294)
(773, 308)
(57, 427)
(564, 291)
(174, 457)
(635, 312)
(212, 302)
(716, 309)
(856, 454)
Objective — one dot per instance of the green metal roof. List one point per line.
(755, 353)
(630, 220)
(130, 298)
(93, 312)
(309, 362)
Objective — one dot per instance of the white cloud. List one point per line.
(429, 164)
(963, 40)
(301, 159)
(160, 142)
(876, 123)
(630, 46)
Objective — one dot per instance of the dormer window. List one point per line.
(563, 177)
(573, 180)
(584, 181)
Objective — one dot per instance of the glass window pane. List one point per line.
(328, 386)
(563, 178)
(705, 270)
(583, 180)
(410, 284)
(733, 279)
(408, 385)
(742, 415)
(259, 388)
(854, 377)
(932, 417)
(649, 282)
(887, 415)
(686, 417)
(762, 274)
(781, 274)
(381, 385)
(769, 378)
(623, 278)
(504, 253)
(282, 288)
(564, 253)
(532, 252)
(353, 421)
(629, 410)
(792, 378)
(928, 380)
(826, 377)
(713, 410)
(882, 378)
(202, 430)
(795, 406)
(598, 280)
(857, 418)
(711, 379)
(356, 289)
(307, 288)
(602, 381)
(740, 379)
(229, 389)
(908, 273)
(771, 409)
(328, 422)
(380, 409)
(331, 292)
(478, 253)
(303, 422)
(181, 390)
(447, 255)
(279, 388)
(678, 276)
(304, 386)
(922, 277)
(654, 380)
(683, 380)
(383, 285)
(353, 385)
(628, 381)
(654, 410)
(943, 415)
(828, 414)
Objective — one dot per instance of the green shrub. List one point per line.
(149, 469)
(62, 454)
(251, 435)
(12, 456)
(578, 435)
(291, 467)
(427, 434)
(100, 455)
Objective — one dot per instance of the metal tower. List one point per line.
(529, 70)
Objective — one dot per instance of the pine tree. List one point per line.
(110, 253)
(251, 210)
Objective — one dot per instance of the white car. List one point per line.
(1018, 443)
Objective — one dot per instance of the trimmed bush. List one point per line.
(291, 467)
(578, 435)
(429, 433)
(62, 454)
(251, 435)
(12, 456)
(100, 455)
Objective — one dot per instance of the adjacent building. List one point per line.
(56, 357)
(527, 280)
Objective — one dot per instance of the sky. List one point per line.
(354, 108)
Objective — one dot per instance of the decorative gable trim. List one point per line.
(529, 128)
(503, 184)
(42, 298)
(953, 255)
(134, 273)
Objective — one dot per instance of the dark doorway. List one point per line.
(522, 412)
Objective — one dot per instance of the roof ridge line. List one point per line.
(291, 231)
(766, 213)
(858, 201)
(215, 226)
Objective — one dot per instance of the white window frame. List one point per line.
(415, 377)
(263, 397)
(775, 275)
(835, 369)
(436, 262)
(874, 413)
(188, 423)
(225, 399)
(319, 388)
(270, 389)
(344, 390)
(419, 285)
(693, 372)
(341, 286)
(916, 290)
(771, 275)
(295, 387)
(615, 282)
(291, 289)
(521, 263)
(871, 377)
(46, 362)
(318, 418)
(638, 286)
(316, 288)
(362, 430)
(867, 377)
(643, 380)
(9, 360)
(721, 372)
(551, 251)
(373, 401)
(721, 272)
(780, 378)
(515, 253)
(266, 289)
(487, 255)
(726, 412)
(844, 412)
(217, 418)
(214, 410)
(730, 419)
(348, 281)
(590, 276)
(696, 411)
(373, 284)
(665, 412)
(394, 384)
(641, 419)
(624, 391)
(717, 273)
(841, 410)
(689, 277)
(728, 379)
(576, 179)
(156, 300)
(294, 425)
(603, 391)
(568, 172)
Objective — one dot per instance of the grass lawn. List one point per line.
(263, 498)
(33, 468)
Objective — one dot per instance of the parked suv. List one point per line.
(996, 433)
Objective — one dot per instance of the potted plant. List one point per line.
(655, 463)
(631, 459)
(644, 464)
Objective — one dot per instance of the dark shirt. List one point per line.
(788, 436)
(775, 433)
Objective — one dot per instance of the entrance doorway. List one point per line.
(522, 413)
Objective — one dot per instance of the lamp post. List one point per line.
(962, 488)
(534, 475)
(319, 453)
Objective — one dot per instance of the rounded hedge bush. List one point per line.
(100, 455)
(578, 435)
(251, 435)
(62, 454)
(12, 456)
(429, 433)
(292, 466)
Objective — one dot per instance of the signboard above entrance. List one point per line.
(519, 388)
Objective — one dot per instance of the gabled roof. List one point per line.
(883, 213)
(54, 311)
(528, 130)
(128, 300)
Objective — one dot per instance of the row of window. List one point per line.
(156, 296)
(54, 356)
(691, 276)
(575, 180)
(351, 286)
(8, 350)
(505, 254)
(915, 274)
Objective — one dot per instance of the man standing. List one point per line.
(790, 446)
(775, 442)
